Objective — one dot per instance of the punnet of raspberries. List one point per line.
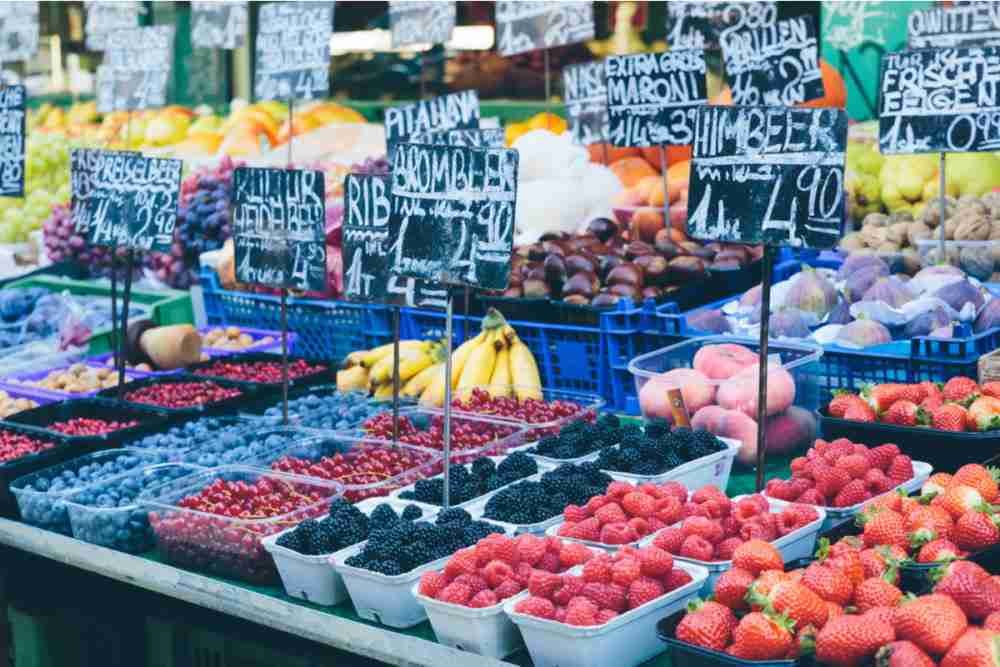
(498, 567)
(842, 474)
(608, 585)
(713, 527)
(960, 404)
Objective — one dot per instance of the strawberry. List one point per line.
(761, 636)
(860, 412)
(959, 499)
(901, 469)
(882, 614)
(794, 600)
(849, 640)
(849, 563)
(755, 556)
(970, 587)
(984, 414)
(883, 526)
(643, 590)
(732, 586)
(883, 562)
(882, 396)
(975, 648)
(905, 413)
(932, 519)
(829, 583)
(980, 478)
(854, 492)
(876, 592)
(696, 547)
(949, 417)
(638, 504)
(903, 654)
(975, 531)
(931, 403)
(932, 622)
(931, 389)
(939, 551)
(705, 628)
(959, 389)
(842, 400)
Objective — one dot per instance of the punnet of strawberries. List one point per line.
(842, 474)
(846, 609)
(960, 404)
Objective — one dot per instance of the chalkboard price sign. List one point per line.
(279, 217)
(421, 22)
(653, 98)
(777, 65)
(768, 175)
(367, 249)
(91, 196)
(292, 57)
(218, 25)
(419, 122)
(977, 23)
(525, 25)
(139, 61)
(105, 17)
(486, 137)
(12, 100)
(452, 214)
(704, 25)
(940, 100)
(586, 102)
(18, 31)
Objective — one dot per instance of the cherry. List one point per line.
(14, 446)
(265, 372)
(181, 394)
(79, 426)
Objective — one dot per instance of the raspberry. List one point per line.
(483, 599)
(618, 489)
(638, 504)
(553, 544)
(508, 588)
(642, 590)
(463, 562)
(696, 547)
(573, 553)
(606, 596)
(655, 562)
(543, 584)
(588, 529)
(485, 551)
(496, 572)
(675, 489)
(708, 492)
(506, 550)
(549, 562)
(522, 573)
(581, 611)
(536, 606)
(669, 539)
(431, 583)
(605, 615)
(597, 569)
(652, 490)
(572, 586)
(724, 549)
(745, 509)
(574, 513)
(611, 513)
(594, 504)
(530, 548)
(639, 525)
(455, 593)
(705, 528)
(676, 579)
(474, 582)
(618, 533)
(625, 571)
(655, 525)
(668, 510)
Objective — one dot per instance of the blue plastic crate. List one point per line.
(570, 358)
(326, 330)
(786, 269)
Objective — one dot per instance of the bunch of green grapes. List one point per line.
(46, 184)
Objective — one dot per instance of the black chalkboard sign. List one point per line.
(139, 61)
(418, 122)
(484, 137)
(18, 30)
(525, 25)
(218, 25)
(107, 16)
(940, 100)
(777, 65)
(704, 25)
(12, 101)
(367, 249)
(653, 98)
(420, 22)
(292, 53)
(586, 102)
(279, 218)
(122, 198)
(452, 213)
(768, 175)
(976, 23)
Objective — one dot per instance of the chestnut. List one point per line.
(555, 269)
(609, 262)
(605, 300)
(626, 274)
(654, 268)
(603, 228)
(554, 248)
(535, 289)
(579, 262)
(536, 272)
(627, 291)
(697, 249)
(536, 253)
(576, 299)
(513, 292)
(636, 248)
(584, 283)
(665, 246)
(684, 269)
(651, 293)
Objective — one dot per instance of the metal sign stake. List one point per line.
(942, 202)
(765, 319)
(284, 291)
(666, 190)
(126, 293)
(395, 375)
(548, 97)
(449, 312)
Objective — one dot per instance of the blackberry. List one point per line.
(609, 419)
(657, 427)
(290, 540)
(473, 480)
(517, 466)
(575, 483)
(338, 504)
(483, 467)
(453, 515)
(493, 483)
(412, 513)
(524, 502)
(384, 515)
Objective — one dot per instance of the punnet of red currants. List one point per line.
(15, 446)
(474, 437)
(179, 395)
(84, 426)
(525, 411)
(264, 372)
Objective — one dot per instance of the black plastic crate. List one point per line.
(683, 654)
(327, 375)
(229, 405)
(150, 420)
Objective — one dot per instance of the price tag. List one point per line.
(586, 102)
(768, 175)
(12, 100)
(292, 56)
(703, 25)
(976, 23)
(777, 65)
(523, 25)
(279, 218)
(488, 137)
(653, 98)
(18, 31)
(420, 22)
(940, 100)
(452, 214)
(105, 17)
(420, 121)
(138, 62)
(367, 248)
(218, 25)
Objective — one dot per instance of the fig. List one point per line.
(651, 292)
(553, 248)
(636, 248)
(926, 322)
(989, 317)
(889, 290)
(654, 268)
(605, 300)
(857, 261)
(788, 323)
(685, 268)
(859, 281)
(959, 293)
(627, 274)
(578, 262)
(602, 228)
(863, 333)
(555, 269)
(583, 283)
(710, 321)
(576, 299)
(977, 262)
(811, 292)
(840, 313)
(535, 289)
(751, 297)
(627, 291)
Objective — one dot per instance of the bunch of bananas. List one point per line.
(496, 360)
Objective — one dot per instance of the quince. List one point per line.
(908, 182)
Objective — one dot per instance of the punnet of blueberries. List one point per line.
(213, 441)
(580, 438)
(657, 449)
(345, 525)
(329, 410)
(531, 502)
(473, 480)
(395, 548)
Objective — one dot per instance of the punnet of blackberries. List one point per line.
(397, 547)
(344, 525)
(657, 449)
(472, 480)
(532, 502)
(581, 438)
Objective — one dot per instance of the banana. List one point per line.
(354, 378)
(479, 366)
(500, 380)
(354, 358)
(372, 356)
(416, 385)
(524, 371)
(433, 394)
(460, 355)
(410, 363)
(383, 392)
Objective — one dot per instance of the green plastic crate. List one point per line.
(166, 306)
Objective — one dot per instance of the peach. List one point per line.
(721, 362)
(696, 390)
(740, 391)
(651, 187)
(790, 430)
(730, 424)
(710, 418)
(647, 221)
(628, 197)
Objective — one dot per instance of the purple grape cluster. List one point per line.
(64, 244)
